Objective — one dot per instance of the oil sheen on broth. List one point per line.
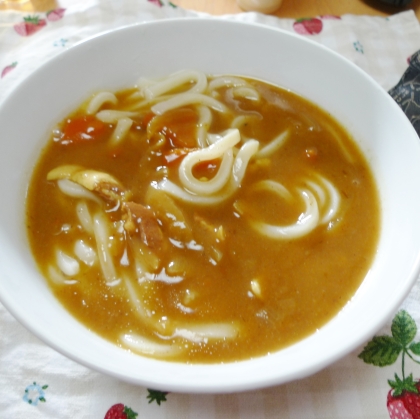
(202, 219)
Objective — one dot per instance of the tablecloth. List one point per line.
(37, 382)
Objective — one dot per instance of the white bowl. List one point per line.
(115, 60)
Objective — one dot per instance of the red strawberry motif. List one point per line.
(8, 69)
(156, 2)
(308, 26)
(404, 406)
(30, 25)
(56, 14)
(119, 411)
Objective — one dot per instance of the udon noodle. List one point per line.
(202, 218)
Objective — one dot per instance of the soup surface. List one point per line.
(202, 219)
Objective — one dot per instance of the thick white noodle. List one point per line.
(319, 192)
(329, 198)
(274, 187)
(110, 116)
(67, 264)
(144, 105)
(83, 214)
(120, 130)
(334, 201)
(105, 260)
(175, 191)
(135, 302)
(238, 172)
(273, 145)
(85, 253)
(239, 121)
(56, 276)
(64, 171)
(226, 81)
(145, 346)
(143, 314)
(162, 276)
(92, 179)
(184, 99)
(205, 332)
(174, 81)
(245, 153)
(100, 99)
(340, 142)
(143, 83)
(213, 138)
(221, 148)
(213, 185)
(306, 222)
(204, 121)
(242, 120)
(75, 190)
(246, 92)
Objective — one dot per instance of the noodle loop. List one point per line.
(222, 148)
(320, 208)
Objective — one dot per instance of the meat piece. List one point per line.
(141, 220)
(173, 220)
(110, 192)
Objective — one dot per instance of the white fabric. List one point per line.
(347, 389)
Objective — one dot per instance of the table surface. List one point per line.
(289, 8)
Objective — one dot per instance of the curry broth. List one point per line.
(302, 283)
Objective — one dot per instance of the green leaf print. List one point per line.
(381, 351)
(403, 328)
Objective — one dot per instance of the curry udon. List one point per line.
(202, 218)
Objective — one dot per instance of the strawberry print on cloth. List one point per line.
(55, 14)
(403, 401)
(312, 25)
(157, 2)
(6, 70)
(119, 411)
(160, 3)
(308, 26)
(30, 25)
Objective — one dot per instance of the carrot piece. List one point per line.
(178, 126)
(82, 128)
